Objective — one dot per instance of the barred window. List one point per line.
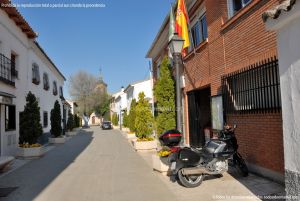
(253, 89)
(61, 92)
(46, 81)
(35, 74)
(45, 119)
(54, 88)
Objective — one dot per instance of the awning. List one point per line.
(6, 98)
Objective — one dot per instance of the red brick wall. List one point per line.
(234, 44)
(260, 139)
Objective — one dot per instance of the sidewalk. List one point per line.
(229, 187)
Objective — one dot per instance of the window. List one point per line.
(199, 31)
(45, 119)
(35, 74)
(46, 81)
(54, 88)
(255, 89)
(13, 64)
(10, 117)
(61, 94)
(235, 5)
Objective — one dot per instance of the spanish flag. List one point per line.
(181, 24)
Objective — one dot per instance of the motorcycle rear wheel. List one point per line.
(190, 181)
(241, 165)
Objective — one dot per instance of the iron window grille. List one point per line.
(46, 81)
(35, 74)
(254, 89)
(7, 70)
(45, 119)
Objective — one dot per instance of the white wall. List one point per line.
(133, 92)
(14, 40)
(288, 42)
(289, 62)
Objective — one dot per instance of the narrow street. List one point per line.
(102, 166)
(94, 165)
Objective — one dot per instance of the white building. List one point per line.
(73, 106)
(285, 20)
(24, 67)
(132, 92)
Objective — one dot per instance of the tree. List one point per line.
(132, 115)
(76, 121)
(30, 126)
(164, 92)
(143, 119)
(125, 119)
(56, 129)
(103, 107)
(115, 119)
(82, 88)
(70, 123)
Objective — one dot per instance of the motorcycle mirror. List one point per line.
(234, 126)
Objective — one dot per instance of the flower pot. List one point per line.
(131, 136)
(30, 152)
(71, 133)
(144, 145)
(160, 164)
(57, 140)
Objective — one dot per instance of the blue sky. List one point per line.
(115, 38)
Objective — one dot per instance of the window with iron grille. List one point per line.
(46, 81)
(61, 94)
(54, 88)
(35, 74)
(255, 88)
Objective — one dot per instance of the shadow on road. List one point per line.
(32, 178)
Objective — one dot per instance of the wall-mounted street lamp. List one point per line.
(175, 45)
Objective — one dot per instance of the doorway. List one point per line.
(199, 115)
(93, 120)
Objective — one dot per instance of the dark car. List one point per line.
(106, 125)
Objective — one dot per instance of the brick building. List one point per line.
(235, 58)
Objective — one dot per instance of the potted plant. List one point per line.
(160, 160)
(143, 125)
(56, 129)
(70, 124)
(30, 129)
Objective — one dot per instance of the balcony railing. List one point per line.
(7, 70)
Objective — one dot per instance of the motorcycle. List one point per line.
(192, 165)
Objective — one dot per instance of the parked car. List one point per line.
(106, 125)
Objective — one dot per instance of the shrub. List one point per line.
(56, 129)
(30, 126)
(164, 92)
(143, 119)
(132, 115)
(70, 123)
(125, 119)
(115, 119)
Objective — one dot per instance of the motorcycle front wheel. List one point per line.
(190, 181)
